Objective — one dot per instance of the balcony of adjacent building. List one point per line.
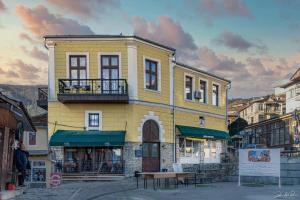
(43, 98)
(93, 91)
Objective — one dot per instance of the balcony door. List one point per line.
(77, 70)
(110, 74)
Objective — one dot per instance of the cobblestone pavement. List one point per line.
(126, 189)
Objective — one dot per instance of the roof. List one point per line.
(295, 78)
(296, 75)
(205, 133)
(111, 37)
(75, 138)
(19, 111)
(202, 71)
(40, 120)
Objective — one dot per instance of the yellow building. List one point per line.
(120, 104)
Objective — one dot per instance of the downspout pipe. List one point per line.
(173, 107)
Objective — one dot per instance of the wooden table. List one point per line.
(156, 176)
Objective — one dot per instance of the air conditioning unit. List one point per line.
(198, 95)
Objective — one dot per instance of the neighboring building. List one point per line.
(292, 91)
(14, 120)
(120, 104)
(234, 110)
(263, 109)
(279, 132)
(36, 143)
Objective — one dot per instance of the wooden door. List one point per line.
(151, 147)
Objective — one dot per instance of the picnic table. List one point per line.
(157, 176)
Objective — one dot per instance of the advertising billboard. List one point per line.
(259, 162)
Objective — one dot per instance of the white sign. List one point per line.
(259, 162)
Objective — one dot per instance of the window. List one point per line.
(215, 95)
(189, 87)
(260, 106)
(37, 173)
(31, 138)
(202, 121)
(203, 91)
(93, 120)
(151, 75)
(77, 67)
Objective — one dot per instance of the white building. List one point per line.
(292, 91)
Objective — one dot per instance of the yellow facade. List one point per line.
(130, 116)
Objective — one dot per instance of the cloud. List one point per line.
(36, 53)
(8, 74)
(237, 42)
(32, 40)
(2, 6)
(164, 31)
(40, 21)
(12, 74)
(212, 9)
(87, 8)
(24, 70)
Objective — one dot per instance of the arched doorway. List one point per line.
(151, 147)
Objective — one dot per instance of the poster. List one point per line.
(259, 162)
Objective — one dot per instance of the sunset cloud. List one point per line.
(237, 42)
(40, 21)
(165, 31)
(24, 70)
(2, 6)
(87, 8)
(36, 53)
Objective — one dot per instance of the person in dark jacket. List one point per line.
(22, 163)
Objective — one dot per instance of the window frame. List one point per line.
(90, 120)
(151, 73)
(206, 90)
(218, 102)
(87, 114)
(158, 74)
(68, 63)
(28, 137)
(192, 85)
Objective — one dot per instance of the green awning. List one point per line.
(70, 138)
(205, 133)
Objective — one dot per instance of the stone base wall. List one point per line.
(133, 163)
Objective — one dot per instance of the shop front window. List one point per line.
(37, 173)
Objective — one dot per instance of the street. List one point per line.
(126, 189)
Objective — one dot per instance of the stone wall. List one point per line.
(133, 163)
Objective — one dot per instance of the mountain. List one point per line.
(28, 94)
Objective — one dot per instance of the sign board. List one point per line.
(55, 179)
(259, 162)
(138, 153)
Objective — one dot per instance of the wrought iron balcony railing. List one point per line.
(93, 90)
(43, 97)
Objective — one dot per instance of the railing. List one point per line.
(43, 94)
(93, 86)
(100, 167)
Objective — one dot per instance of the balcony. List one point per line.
(43, 98)
(93, 91)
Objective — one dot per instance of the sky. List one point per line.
(253, 43)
